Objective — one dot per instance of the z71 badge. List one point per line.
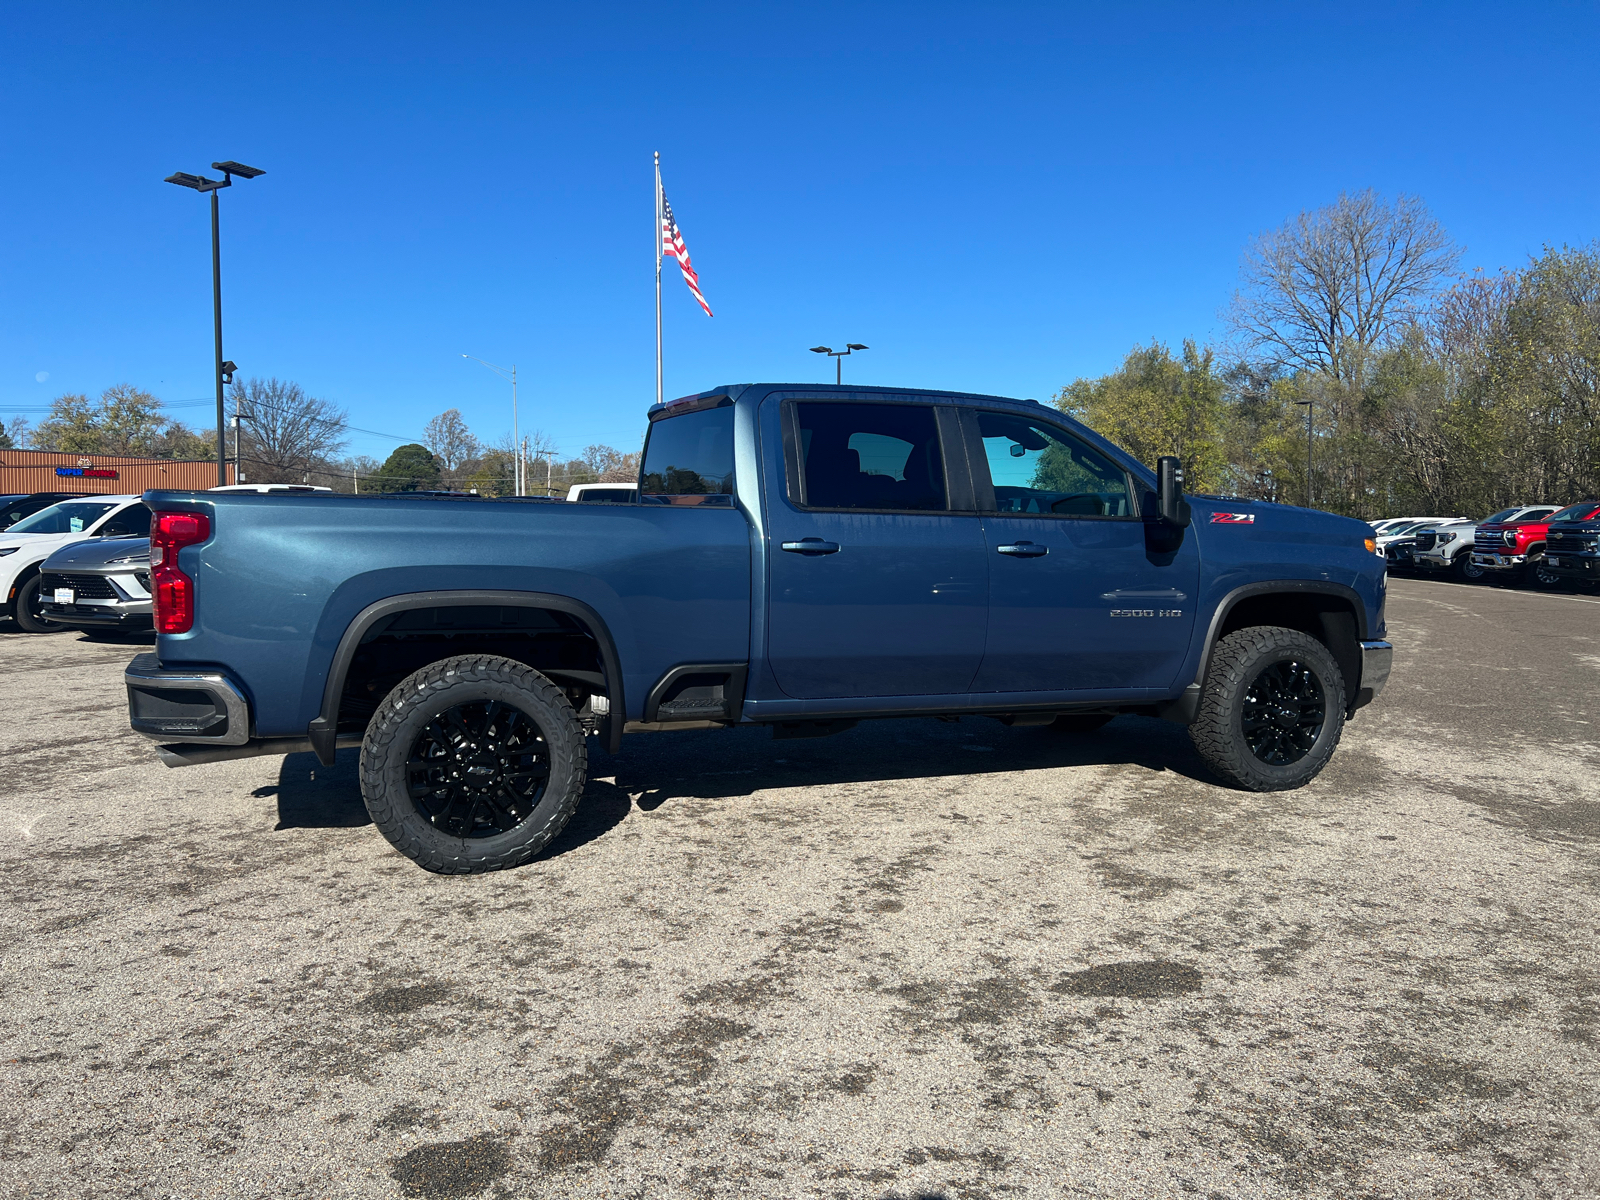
(1233, 518)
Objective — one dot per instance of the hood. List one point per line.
(101, 552)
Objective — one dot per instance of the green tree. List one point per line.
(5, 438)
(410, 468)
(1157, 404)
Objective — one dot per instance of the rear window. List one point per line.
(883, 457)
(688, 459)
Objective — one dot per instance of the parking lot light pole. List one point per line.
(1309, 404)
(838, 357)
(224, 370)
(515, 438)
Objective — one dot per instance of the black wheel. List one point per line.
(1540, 575)
(1272, 709)
(30, 609)
(1080, 722)
(473, 764)
(1466, 570)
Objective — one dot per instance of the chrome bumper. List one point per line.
(1499, 562)
(179, 705)
(1377, 658)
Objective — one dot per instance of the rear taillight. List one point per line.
(174, 591)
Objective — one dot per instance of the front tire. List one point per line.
(1272, 709)
(1466, 570)
(473, 764)
(30, 609)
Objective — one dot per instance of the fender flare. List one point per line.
(1186, 705)
(323, 728)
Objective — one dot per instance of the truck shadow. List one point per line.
(740, 762)
(311, 796)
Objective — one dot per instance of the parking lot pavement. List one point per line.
(915, 959)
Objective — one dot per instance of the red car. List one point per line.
(1518, 547)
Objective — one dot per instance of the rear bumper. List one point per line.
(185, 705)
(1377, 659)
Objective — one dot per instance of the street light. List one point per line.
(200, 183)
(838, 357)
(1309, 404)
(515, 440)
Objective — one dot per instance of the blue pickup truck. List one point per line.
(797, 557)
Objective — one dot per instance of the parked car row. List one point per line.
(83, 562)
(1531, 544)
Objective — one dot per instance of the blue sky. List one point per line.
(995, 198)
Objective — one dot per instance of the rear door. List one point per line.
(1079, 598)
(877, 572)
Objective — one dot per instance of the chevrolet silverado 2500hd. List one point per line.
(798, 557)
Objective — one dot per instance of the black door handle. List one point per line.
(1024, 550)
(812, 546)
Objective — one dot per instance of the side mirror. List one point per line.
(1174, 509)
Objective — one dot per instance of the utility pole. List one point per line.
(1309, 404)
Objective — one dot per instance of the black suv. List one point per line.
(14, 508)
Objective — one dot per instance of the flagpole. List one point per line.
(658, 276)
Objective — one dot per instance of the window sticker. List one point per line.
(75, 525)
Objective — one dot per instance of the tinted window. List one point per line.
(1576, 512)
(872, 456)
(133, 521)
(1037, 468)
(617, 495)
(689, 459)
(70, 516)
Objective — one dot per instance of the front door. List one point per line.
(876, 587)
(1078, 598)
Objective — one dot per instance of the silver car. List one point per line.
(101, 586)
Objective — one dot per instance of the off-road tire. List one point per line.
(27, 600)
(1080, 722)
(1466, 570)
(1236, 663)
(431, 692)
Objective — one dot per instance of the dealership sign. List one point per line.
(87, 472)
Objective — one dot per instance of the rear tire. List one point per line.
(473, 764)
(1272, 709)
(30, 609)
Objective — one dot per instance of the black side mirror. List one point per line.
(1174, 509)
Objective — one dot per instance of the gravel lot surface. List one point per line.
(916, 959)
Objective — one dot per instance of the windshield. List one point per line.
(70, 516)
(1505, 514)
(1574, 513)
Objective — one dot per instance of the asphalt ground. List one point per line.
(916, 959)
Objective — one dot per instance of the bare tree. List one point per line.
(285, 433)
(1320, 293)
(609, 465)
(450, 440)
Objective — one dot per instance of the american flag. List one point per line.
(672, 246)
